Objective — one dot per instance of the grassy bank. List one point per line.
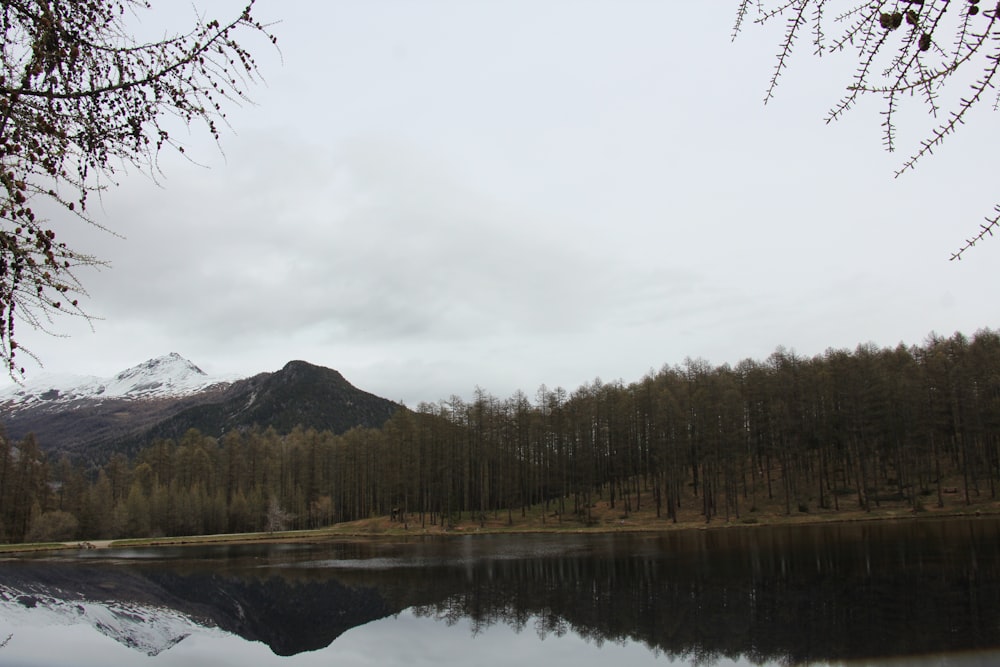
(600, 517)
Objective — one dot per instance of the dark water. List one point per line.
(923, 591)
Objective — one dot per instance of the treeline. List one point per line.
(845, 429)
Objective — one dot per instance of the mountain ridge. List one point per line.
(162, 398)
(170, 375)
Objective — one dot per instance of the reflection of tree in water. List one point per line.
(847, 594)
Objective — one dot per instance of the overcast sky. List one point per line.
(430, 195)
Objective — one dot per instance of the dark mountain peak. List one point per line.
(299, 368)
(299, 364)
(303, 394)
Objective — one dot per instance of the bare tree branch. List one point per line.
(80, 97)
(898, 46)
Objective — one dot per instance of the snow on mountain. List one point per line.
(148, 629)
(168, 376)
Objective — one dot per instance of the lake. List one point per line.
(909, 592)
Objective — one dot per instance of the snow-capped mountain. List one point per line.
(168, 376)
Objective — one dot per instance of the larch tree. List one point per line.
(905, 49)
(81, 99)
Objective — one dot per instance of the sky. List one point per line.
(436, 195)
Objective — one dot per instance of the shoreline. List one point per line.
(383, 527)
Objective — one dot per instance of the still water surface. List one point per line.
(912, 592)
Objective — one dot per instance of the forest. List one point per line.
(838, 431)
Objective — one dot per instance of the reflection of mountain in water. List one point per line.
(150, 630)
(807, 594)
(153, 609)
(290, 616)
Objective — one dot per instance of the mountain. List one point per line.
(300, 394)
(90, 418)
(169, 376)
